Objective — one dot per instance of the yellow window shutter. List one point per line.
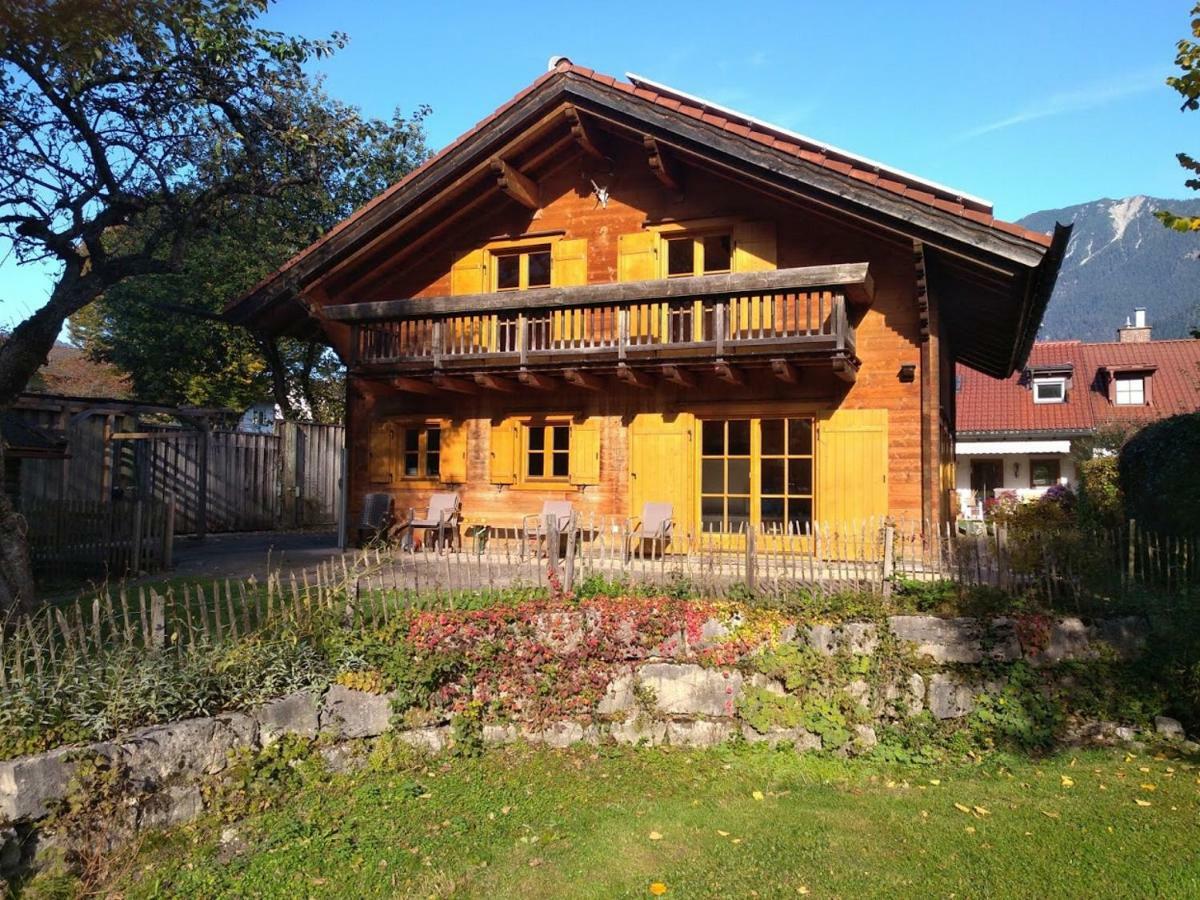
(469, 274)
(852, 467)
(381, 452)
(753, 251)
(585, 452)
(753, 246)
(568, 267)
(502, 466)
(453, 462)
(637, 256)
(568, 262)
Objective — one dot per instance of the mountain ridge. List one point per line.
(1121, 257)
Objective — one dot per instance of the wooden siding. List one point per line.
(888, 336)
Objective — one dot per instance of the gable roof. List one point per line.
(1005, 406)
(940, 218)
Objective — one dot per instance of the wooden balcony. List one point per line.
(798, 315)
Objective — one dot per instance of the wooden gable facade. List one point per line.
(604, 295)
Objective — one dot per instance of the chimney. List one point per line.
(1138, 332)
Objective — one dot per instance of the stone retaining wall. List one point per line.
(663, 701)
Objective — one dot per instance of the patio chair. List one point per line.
(653, 528)
(536, 526)
(442, 516)
(376, 518)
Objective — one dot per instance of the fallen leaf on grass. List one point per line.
(970, 829)
(757, 795)
(1067, 782)
(655, 836)
(935, 781)
(961, 808)
(657, 888)
(722, 833)
(803, 889)
(1140, 802)
(535, 862)
(981, 810)
(1149, 787)
(1051, 815)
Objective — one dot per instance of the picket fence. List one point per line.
(1125, 567)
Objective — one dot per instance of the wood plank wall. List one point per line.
(888, 335)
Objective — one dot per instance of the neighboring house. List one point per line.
(612, 292)
(260, 419)
(1023, 434)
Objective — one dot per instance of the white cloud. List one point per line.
(1077, 100)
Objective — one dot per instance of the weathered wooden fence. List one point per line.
(235, 481)
(116, 538)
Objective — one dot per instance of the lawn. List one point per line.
(729, 822)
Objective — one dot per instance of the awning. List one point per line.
(996, 448)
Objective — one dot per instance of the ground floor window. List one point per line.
(422, 451)
(547, 451)
(1043, 473)
(756, 472)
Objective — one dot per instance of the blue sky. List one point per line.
(1031, 105)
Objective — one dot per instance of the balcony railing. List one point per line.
(798, 314)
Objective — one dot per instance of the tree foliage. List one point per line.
(129, 129)
(1187, 84)
(1158, 475)
(165, 330)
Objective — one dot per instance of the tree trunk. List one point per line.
(21, 356)
(279, 385)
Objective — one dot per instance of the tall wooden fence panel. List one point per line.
(88, 537)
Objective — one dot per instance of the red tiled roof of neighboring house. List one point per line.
(992, 405)
(778, 139)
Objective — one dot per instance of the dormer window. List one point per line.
(1050, 390)
(1129, 390)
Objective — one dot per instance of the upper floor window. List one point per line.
(519, 269)
(1130, 390)
(1050, 390)
(699, 254)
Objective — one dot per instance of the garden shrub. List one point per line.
(1023, 716)
(1101, 503)
(766, 711)
(1158, 475)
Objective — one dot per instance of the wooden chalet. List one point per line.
(613, 293)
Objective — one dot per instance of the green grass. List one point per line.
(539, 824)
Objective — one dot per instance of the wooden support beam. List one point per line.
(678, 376)
(520, 187)
(457, 385)
(784, 371)
(584, 136)
(662, 165)
(412, 385)
(632, 378)
(496, 383)
(534, 380)
(582, 380)
(845, 370)
(728, 373)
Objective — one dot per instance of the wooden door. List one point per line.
(660, 469)
(852, 467)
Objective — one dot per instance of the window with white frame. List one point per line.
(1130, 390)
(1050, 390)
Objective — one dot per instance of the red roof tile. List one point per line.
(986, 404)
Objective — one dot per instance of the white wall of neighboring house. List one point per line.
(260, 419)
(1015, 467)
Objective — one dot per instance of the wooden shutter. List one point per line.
(852, 467)
(753, 246)
(469, 274)
(568, 267)
(637, 256)
(381, 452)
(453, 463)
(585, 452)
(753, 251)
(504, 452)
